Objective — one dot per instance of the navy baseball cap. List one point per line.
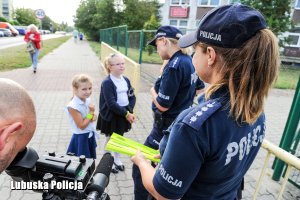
(228, 26)
(166, 31)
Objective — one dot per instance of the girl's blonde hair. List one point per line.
(186, 51)
(249, 73)
(108, 60)
(80, 78)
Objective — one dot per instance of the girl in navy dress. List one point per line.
(81, 115)
(117, 101)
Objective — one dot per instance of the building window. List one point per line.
(297, 5)
(180, 2)
(180, 24)
(183, 23)
(173, 22)
(233, 1)
(294, 40)
(208, 2)
(175, 2)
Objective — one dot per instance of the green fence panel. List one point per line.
(289, 136)
(134, 38)
(132, 43)
(116, 37)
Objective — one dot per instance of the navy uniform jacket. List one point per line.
(108, 99)
(207, 152)
(176, 87)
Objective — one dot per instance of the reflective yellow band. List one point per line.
(89, 116)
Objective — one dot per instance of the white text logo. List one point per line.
(210, 35)
(168, 177)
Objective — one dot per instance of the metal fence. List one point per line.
(290, 140)
(116, 37)
(131, 43)
(291, 161)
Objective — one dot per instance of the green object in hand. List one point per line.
(123, 145)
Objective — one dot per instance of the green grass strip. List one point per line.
(17, 56)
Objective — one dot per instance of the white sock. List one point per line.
(117, 159)
(104, 144)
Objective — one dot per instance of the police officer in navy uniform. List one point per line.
(210, 147)
(172, 93)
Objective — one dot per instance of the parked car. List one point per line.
(21, 31)
(61, 32)
(7, 32)
(7, 25)
(1, 34)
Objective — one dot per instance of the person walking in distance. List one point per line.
(116, 102)
(75, 35)
(209, 148)
(81, 114)
(172, 93)
(32, 35)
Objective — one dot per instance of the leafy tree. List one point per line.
(25, 16)
(276, 12)
(14, 22)
(138, 12)
(3, 19)
(46, 23)
(152, 24)
(55, 27)
(93, 15)
(64, 26)
(84, 17)
(107, 15)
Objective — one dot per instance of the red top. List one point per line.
(36, 39)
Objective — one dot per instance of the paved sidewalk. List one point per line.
(51, 90)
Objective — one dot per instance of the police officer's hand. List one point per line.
(158, 156)
(139, 158)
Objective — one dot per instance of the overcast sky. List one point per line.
(58, 10)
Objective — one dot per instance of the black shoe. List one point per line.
(114, 170)
(120, 167)
(34, 71)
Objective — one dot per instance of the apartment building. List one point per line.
(186, 14)
(296, 13)
(6, 9)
